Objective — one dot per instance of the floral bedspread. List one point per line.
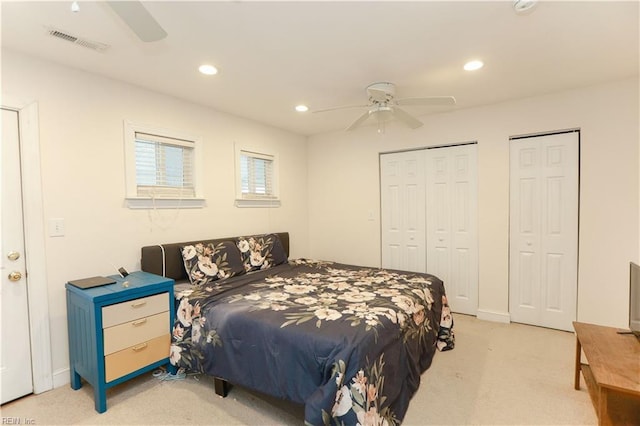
(350, 343)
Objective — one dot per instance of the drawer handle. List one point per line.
(138, 304)
(139, 347)
(139, 322)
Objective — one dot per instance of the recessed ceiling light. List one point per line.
(302, 108)
(208, 69)
(473, 65)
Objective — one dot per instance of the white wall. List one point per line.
(343, 188)
(82, 161)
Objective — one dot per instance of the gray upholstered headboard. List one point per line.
(166, 259)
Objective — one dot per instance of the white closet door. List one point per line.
(402, 204)
(452, 244)
(543, 261)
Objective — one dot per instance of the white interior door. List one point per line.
(452, 244)
(403, 211)
(543, 246)
(15, 364)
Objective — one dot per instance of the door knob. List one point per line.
(13, 255)
(15, 276)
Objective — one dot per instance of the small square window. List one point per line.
(161, 168)
(256, 179)
(164, 167)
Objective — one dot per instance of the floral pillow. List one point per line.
(261, 251)
(206, 262)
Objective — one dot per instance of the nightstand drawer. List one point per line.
(123, 362)
(130, 333)
(134, 309)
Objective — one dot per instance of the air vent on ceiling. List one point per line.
(90, 44)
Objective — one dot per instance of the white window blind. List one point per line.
(257, 176)
(164, 166)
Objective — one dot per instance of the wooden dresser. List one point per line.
(612, 374)
(118, 331)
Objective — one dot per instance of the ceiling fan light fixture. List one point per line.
(207, 69)
(473, 65)
(382, 112)
(383, 106)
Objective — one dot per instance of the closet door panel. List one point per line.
(452, 246)
(429, 218)
(543, 235)
(403, 210)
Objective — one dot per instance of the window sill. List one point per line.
(164, 203)
(257, 203)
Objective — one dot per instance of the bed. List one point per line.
(348, 342)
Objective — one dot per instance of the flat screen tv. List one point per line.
(634, 299)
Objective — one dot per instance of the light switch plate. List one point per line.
(56, 227)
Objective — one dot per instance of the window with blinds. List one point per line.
(256, 175)
(256, 179)
(164, 166)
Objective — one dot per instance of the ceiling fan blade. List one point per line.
(431, 100)
(138, 18)
(407, 119)
(340, 107)
(359, 121)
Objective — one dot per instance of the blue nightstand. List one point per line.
(119, 331)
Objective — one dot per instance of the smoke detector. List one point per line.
(80, 41)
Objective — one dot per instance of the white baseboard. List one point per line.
(61, 377)
(494, 316)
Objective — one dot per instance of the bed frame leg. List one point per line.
(221, 387)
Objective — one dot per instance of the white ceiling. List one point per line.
(272, 56)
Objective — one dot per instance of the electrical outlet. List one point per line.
(56, 227)
(371, 216)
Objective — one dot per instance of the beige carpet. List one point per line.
(497, 374)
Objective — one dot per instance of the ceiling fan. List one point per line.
(138, 18)
(384, 106)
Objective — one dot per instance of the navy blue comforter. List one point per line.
(350, 343)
